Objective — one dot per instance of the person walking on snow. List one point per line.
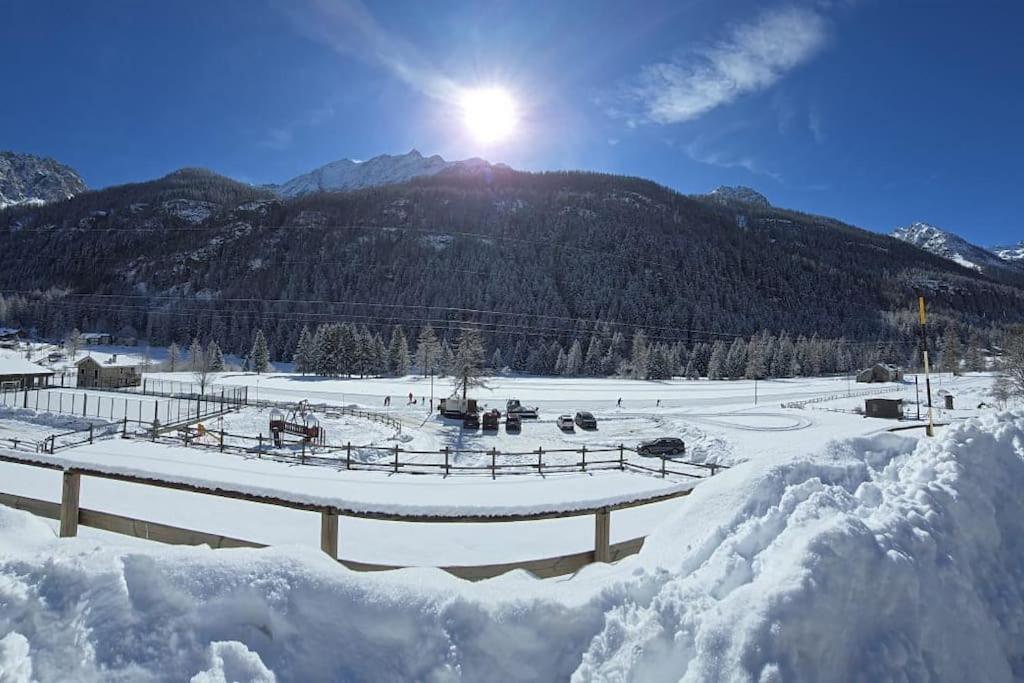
(620, 402)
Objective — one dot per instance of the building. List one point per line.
(18, 373)
(880, 372)
(111, 373)
(10, 336)
(96, 339)
(889, 408)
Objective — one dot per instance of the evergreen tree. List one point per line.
(638, 355)
(716, 364)
(469, 361)
(345, 349)
(736, 359)
(592, 365)
(447, 362)
(497, 362)
(304, 352)
(756, 368)
(259, 357)
(398, 354)
(975, 358)
(195, 355)
(215, 357)
(952, 351)
(574, 360)
(428, 351)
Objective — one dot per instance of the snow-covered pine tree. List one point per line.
(195, 355)
(638, 354)
(574, 360)
(446, 362)
(215, 356)
(756, 368)
(592, 361)
(952, 351)
(716, 364)
(428, 351)
(497, 362)
(345, 350)
(398, 354)
(469, 361)
(259, 357)
(736, 359)
(304, 352)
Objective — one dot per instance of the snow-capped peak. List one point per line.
(948, 245)
(739, 193)
(28, 179)
(1013, 253)
(385, 169)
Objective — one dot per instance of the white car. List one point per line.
(565, 423)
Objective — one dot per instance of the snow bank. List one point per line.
(875, 559)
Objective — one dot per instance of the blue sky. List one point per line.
(877, 113)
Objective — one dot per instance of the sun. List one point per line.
(489, 114)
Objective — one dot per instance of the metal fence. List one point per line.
(113, 406)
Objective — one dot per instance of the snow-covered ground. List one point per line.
(869, 558)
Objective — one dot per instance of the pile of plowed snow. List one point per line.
(874, 559)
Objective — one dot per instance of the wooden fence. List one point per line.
(71, 515)
(446, 461)
(846, 394)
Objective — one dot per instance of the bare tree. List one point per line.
(72, 343)
(1011, 363)
(202, 366)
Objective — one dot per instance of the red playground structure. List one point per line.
(300, 422)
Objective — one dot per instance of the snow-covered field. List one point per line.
(830, 550)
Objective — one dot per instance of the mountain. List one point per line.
(950, 246)
(385, 169)
(739, 194)
(28, 179)
(1013, 253)
(532, 258)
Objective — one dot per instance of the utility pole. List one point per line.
(924, 352)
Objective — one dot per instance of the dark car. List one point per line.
(492, 418)
(513, 423)
(471, 421)
(666, 445)
(585, 420)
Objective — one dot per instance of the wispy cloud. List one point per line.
(752, 57)
(816, 125)
(697, 153)
(348, 27)
(281, 137)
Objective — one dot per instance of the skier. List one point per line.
(658, 404)
(620, 402)
(410, 397)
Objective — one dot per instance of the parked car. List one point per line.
(471, 421)
(565, 423)
(492, 418)
(586, 420)
(513, 423)
(666, 445)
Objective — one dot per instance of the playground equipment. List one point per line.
(300, 422)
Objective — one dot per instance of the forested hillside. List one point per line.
(531, 260)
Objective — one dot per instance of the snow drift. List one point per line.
(877, 558)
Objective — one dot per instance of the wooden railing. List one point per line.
(445, 461)
(71, 516)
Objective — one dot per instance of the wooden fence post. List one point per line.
(303, 458)
(90, 433)
(447, 469)
(329, 533)
(663, 465)
(622, 457)
(222, 441)
(602, 535)
(124, 427)
(540, 459)
(583, 461)
(713, 468)
(396, 458)
(85, 403)
(69, 498)
(348, 455)
(494, 457)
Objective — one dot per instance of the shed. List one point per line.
(889, 408)
(18, 373)
(111, 373)
(96, 338)
(880, 372)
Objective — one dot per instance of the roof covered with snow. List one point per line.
(16, 365)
